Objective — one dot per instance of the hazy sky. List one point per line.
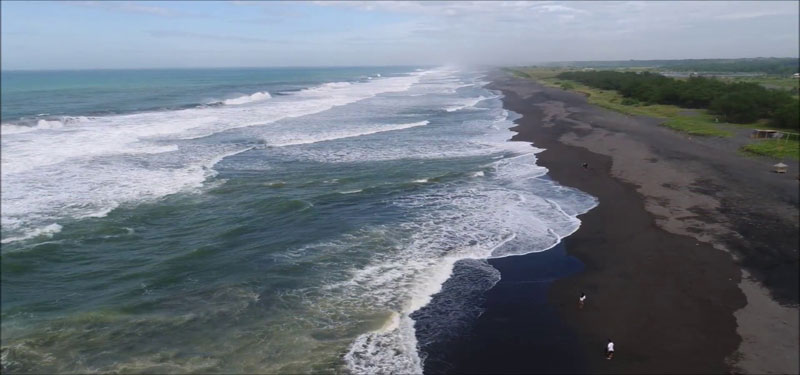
(82, 35)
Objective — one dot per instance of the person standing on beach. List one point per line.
(610, 349)
(581, 300)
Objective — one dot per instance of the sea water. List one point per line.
(255, 220)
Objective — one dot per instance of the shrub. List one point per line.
(788, 116)
(738, 102)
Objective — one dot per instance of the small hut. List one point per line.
(779, 168)
(765, 133)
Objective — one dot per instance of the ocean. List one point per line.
(282, 220)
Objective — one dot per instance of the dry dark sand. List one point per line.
(681, 224)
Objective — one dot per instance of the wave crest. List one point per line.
(42, 124)
(255, 97)
(302, 139)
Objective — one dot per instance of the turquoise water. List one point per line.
(272, 220)
(41, 94)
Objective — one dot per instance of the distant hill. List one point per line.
(768, 65)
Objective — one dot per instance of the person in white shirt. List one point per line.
(581, 300)
(610, 349)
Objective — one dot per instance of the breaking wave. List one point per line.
(261, 95)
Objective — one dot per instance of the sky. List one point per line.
(185, 34)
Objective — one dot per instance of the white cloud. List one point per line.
(400, 32)
(132, 7)
(592, 30)
(207, 36)
(557, 8)
(747, 15)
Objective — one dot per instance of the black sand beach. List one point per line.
(519, 327)
(667, 253)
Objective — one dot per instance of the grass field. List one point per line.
(701, 125)
(696, 122)
(770, 82)
(780, 148)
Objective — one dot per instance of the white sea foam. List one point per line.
(454, 223)
(385, 354)
(261, 95)
(78, 166)
(6, 129)
(47, 231)
(147, 156)
(509, 212)
(303, 136)
(491, 137)
(131, 133)
(324, 88)
(42, 124)
(91, 189)
(466, 103)
(45, 124)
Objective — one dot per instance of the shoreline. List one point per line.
(677, 270)
(500, 339)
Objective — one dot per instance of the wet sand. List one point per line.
(519, 330)
(690, 259)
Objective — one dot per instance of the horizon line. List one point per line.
(219, 67)
(379, 65)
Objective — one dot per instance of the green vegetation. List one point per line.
(738, 102)
(786, 83)
(567, 86)
(777, 148)
(788, 116)
(770, 65)
(701, 125)
(697, 122)
(517, 73)
(544, 75)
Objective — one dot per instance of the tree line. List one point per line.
(771, 65)
(767, 65)
(736, 102)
